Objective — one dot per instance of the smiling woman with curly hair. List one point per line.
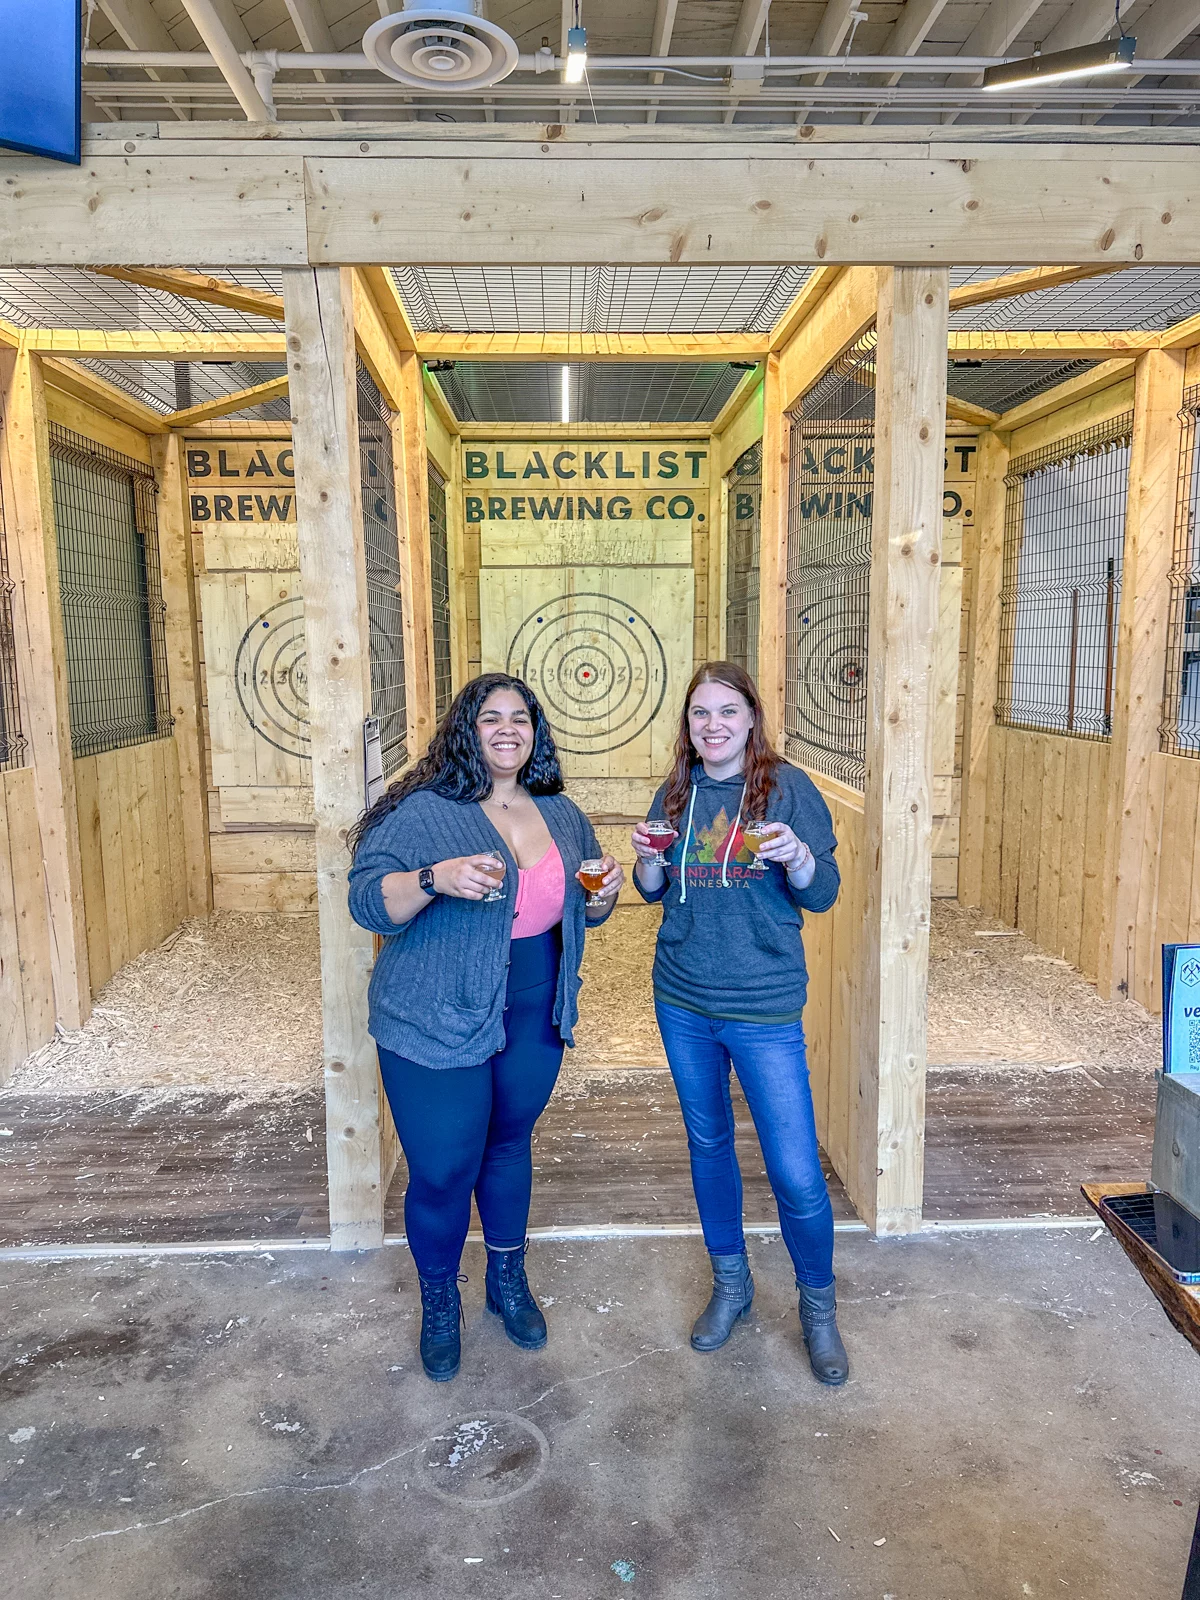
(466, 866)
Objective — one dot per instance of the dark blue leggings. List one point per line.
(467, 1130)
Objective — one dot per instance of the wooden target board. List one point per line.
(607, 648)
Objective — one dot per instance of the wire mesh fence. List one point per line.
(13, 743)
(1064, 536)
(1181, 691)
(382, 549)
(110, 590)
(439, 580)
(830, 504)
(744, 502)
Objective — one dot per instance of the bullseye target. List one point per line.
(271, 673)
(597, 666)
(830, 676)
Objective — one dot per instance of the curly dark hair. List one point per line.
(453, 766)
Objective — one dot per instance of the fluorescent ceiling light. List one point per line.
(566, 394)
(1110, 55)
(576, 55)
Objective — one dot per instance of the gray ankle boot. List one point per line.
(818, 1318)
(732, 1297)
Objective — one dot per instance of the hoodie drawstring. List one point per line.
(687, 836)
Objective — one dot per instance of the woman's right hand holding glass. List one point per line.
(466, 877)
(645, 847)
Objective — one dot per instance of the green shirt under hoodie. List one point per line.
(730, 947)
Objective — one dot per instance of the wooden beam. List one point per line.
(986, 290)
(1138, 680)
(584, 430)
(239, 400)
(983, 557)
(964, 411)
(148, 344)
(842, 315)
(773, 556)
(412, 506)
(321, 366)
(592, 346)
(183, 664)
(382, 287)
(1183, 336)
(813, 290)
(42, 675)
(436, 397)
(910, 411)
(1040, 346)
(200, 286)
(748, 384)
(1064, 394)
(84, 385)
(923, 195)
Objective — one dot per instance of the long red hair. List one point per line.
(761, 760)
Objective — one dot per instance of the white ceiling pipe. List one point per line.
(209, 25)
(774, 66)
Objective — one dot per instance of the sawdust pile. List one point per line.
(231, 1001)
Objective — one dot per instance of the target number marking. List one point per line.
(271, 674)
(597, 665)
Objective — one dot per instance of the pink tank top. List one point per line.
(541, 893)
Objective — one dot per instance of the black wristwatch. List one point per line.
(425, 879)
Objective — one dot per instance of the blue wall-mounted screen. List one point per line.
(39, 77)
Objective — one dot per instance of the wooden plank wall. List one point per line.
(26, 987)
(832, 949)
(132, 849)
(1043, 856)
(1168, 903)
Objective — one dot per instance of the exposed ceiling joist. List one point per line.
(1080, 388)
(1159, 32)
(141, 29)
(81, 384)
(1007, 345)
(147, 344)
(1017, 283)
(312, 30)
(225, 51)
(996, 29)
(592, 346)
(909, 32)
(963, 411)
(660, 42)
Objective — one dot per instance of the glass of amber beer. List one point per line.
(756, 834)
(664, 834)
(493, 867)
(591, 876)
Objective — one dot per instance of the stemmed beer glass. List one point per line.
(493, 867)
(664, 834)
(591, 876)
(757, 833)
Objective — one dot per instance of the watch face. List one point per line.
(425, 879)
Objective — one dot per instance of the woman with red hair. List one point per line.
(730, 983)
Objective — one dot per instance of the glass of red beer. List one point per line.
(664, 834)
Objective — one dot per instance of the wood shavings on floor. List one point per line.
(1003, 1002)
(230, 1001)
(616, 1025)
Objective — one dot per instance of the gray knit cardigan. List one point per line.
(437, 992)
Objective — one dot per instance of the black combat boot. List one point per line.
(441, 1315)
(826, 1352)
(508, 1295)
(732, 1297)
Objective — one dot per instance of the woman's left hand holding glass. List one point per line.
(790, 852)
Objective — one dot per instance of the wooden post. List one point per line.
(323, 388)
(985, 557)
(42, 670)
(457, 565)
(910, 438)
(183, 655)
(717, 550)
(773, 557)
(412, 512)
(1129, 878)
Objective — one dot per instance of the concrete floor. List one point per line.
(1020, 1421)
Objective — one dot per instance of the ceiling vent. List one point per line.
(449, 45)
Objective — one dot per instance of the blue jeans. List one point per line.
(467, 1130)
(772, 1068)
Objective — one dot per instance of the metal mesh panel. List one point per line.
(531, 391)
(439, 581)
(382, 550)
(1181, 692)
(742, 560)
(1064, 538)
(830, 502)
(111, 595)
(12, 740)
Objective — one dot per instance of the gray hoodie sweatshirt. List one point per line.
(730, 944)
